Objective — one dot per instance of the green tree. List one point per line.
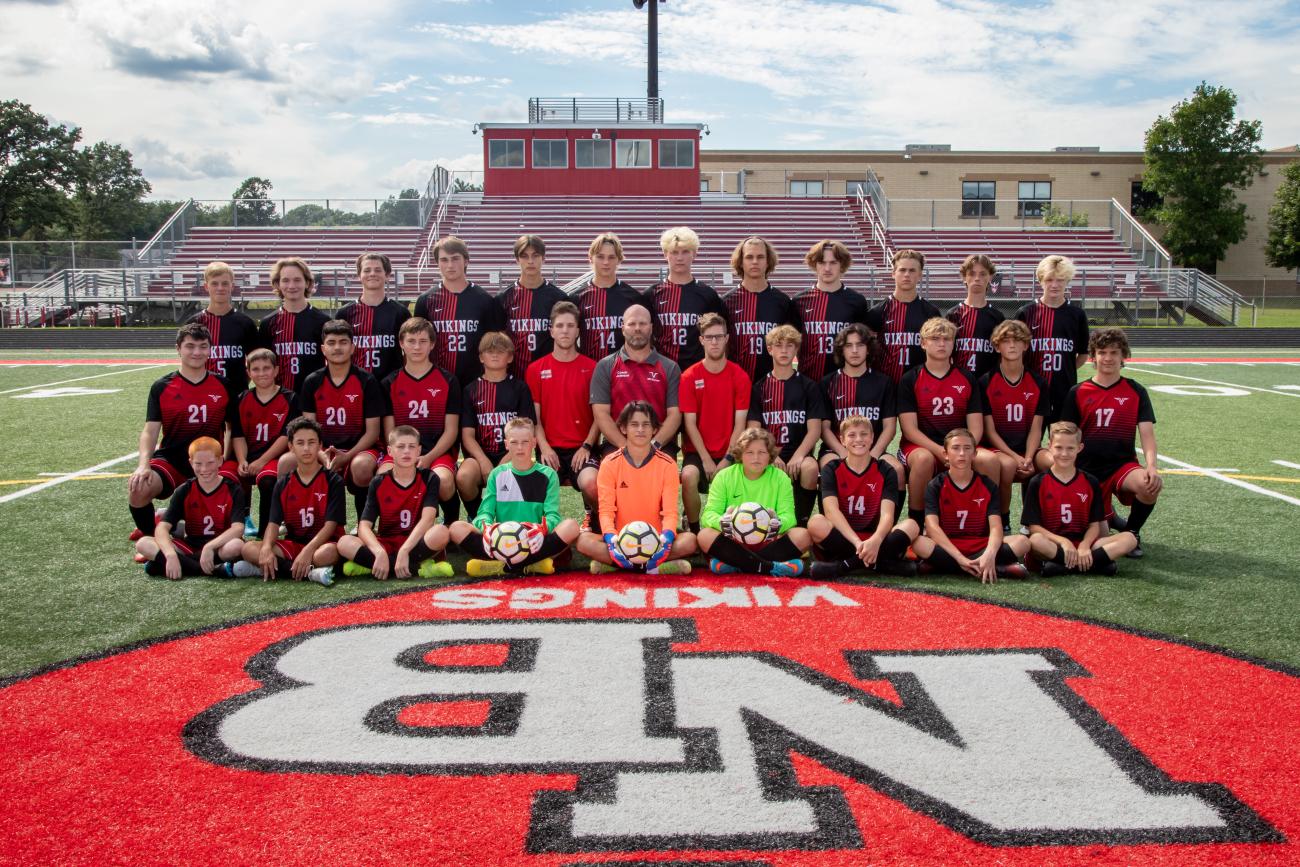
(1283, 247)
(107, 199)
(1062, 219)
(38, 169)
(253, 205)
(404, 210)
(1196, 160)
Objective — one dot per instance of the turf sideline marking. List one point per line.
(96, 376)
(66, 478)
(1288, 465)
(1216, 382)
(1229, 480)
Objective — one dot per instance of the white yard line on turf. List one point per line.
(1231, 481)
(84, 378)
(1288, 465)
(67, 477)
(1216, 382)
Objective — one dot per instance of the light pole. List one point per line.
(652, 51)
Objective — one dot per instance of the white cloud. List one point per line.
(397, 86)
(462, 79)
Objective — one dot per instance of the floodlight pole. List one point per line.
(652, 49)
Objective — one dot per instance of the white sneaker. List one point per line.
(244, 569)
(322, 575)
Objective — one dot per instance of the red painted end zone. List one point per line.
(126, 759)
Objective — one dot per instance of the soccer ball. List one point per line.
(509, 543)
(751, 524)
(638, 542)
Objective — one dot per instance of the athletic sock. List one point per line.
(450, 509)
(551, 545)
(917, 515)
(284, 568)
(358, 500)
(364, 558)
(1137, 516)
(1100, 560)
(694, 526)
(144, 518)
(1059, 557)
(733, 553)
(265, 495)
(471, 507)
(894, 547)
(803, 505)
(420, 553)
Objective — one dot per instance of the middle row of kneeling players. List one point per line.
(963, 446)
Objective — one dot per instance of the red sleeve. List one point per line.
(686, 397)
(741, 388)
(533, 379)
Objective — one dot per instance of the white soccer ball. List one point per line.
(751, 524)
(509, 543)
(638, 542)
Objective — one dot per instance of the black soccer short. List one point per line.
(692, 459)
(566, 473)
(941, 560)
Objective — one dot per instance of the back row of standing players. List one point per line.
(843, 369)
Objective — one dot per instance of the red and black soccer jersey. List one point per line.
(1063, 508)
(374, 334)
(423, 403)
(302, 508)
(489, 405)
(1012, 406)
(941, 403)
(341, 408)
(262, 423)
(234, 335)
(460, 320)
(871, 395)
(1058, 335)
(563, 391)
(784, 406)
(529, 311)
(618, 380)
(296, 339)
(898, 325)
(824, 314)
(393, 510)
(207, 514)
(1109, 417)
(964, 512)
(714, 398)
(602, 316)
(859, 494)
(676, 307)
(188, 410)
(752, 315)
(973, 352)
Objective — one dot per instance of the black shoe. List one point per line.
(902, 568)
(1014, 570)
(1052, 569)
(823, 570)
(1118, 523)
(1112, 568)
(1137, 553)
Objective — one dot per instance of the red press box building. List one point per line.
(592, 147)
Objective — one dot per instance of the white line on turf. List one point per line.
(1216, 382)
(66, 477)
(1287, 464)
(1209, 473)
(84, 378)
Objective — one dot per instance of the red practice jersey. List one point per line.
(234, 335)
(342, 408)
(302, 508)
(393, 510)
(1063, 508)
(563, 391)
(207, 514)
(676, 307)
(529, 311)
(898, 325)
(1109, 417)
(374, 334)
(1012, 407)
(261, 424)
(973, 352)
(714, 398)
(824, 314)
(859, 495)
(871, 395)
(296, 339)
(489, 405)
(964, 512)
(423, 403)
(188, 410)
(752, 315)
(941, 403)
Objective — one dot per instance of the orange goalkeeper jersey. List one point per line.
(638, 493)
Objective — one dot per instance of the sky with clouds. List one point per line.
(336, 98)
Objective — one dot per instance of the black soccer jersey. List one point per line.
(529, 311)
(752, 315)
(1108, 416)
(188, 410)
(393, 509)
(460, 320)
(341, 408)
(1063, 508)
(784, 407)
(941, 403)
(234, 335)
(871, 395)
(676, 307)
(424, 403)
(296, 339)
(824, 315)
(260, 422)
(973, 352)
(374, 334)
(859, 495)
(489, 405)
(602, 316)
(898, 325)
(1058, 335)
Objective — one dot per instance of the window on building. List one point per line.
(977, 198)
(506, 153)
(1143, 202)
(551, 153)
(676, 154)
(852, 188)
(634, 153)
(806, 188)
(1033, 197)
(592, 153)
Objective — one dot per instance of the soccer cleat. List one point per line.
(322, 575)
(135, 536)
(436, 569)
(250, 529)
(545, 566)
(1112, 569)
(599, 568)
(1117, 522)
(675, 567)
(140, 558)
(717, 567)
(1137, 553)
(1052, 569)
(483, 568)
(1015, 571)
(823, 570)
(355, 570)
(787, 569)
(902, 568)
(244, 569)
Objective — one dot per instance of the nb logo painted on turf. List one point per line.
(692, 749)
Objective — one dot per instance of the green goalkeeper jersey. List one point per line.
(520, 495)
(731, 487)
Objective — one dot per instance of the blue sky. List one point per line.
(344, 99)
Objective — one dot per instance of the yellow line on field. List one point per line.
(1230, 476)
(85, 478)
